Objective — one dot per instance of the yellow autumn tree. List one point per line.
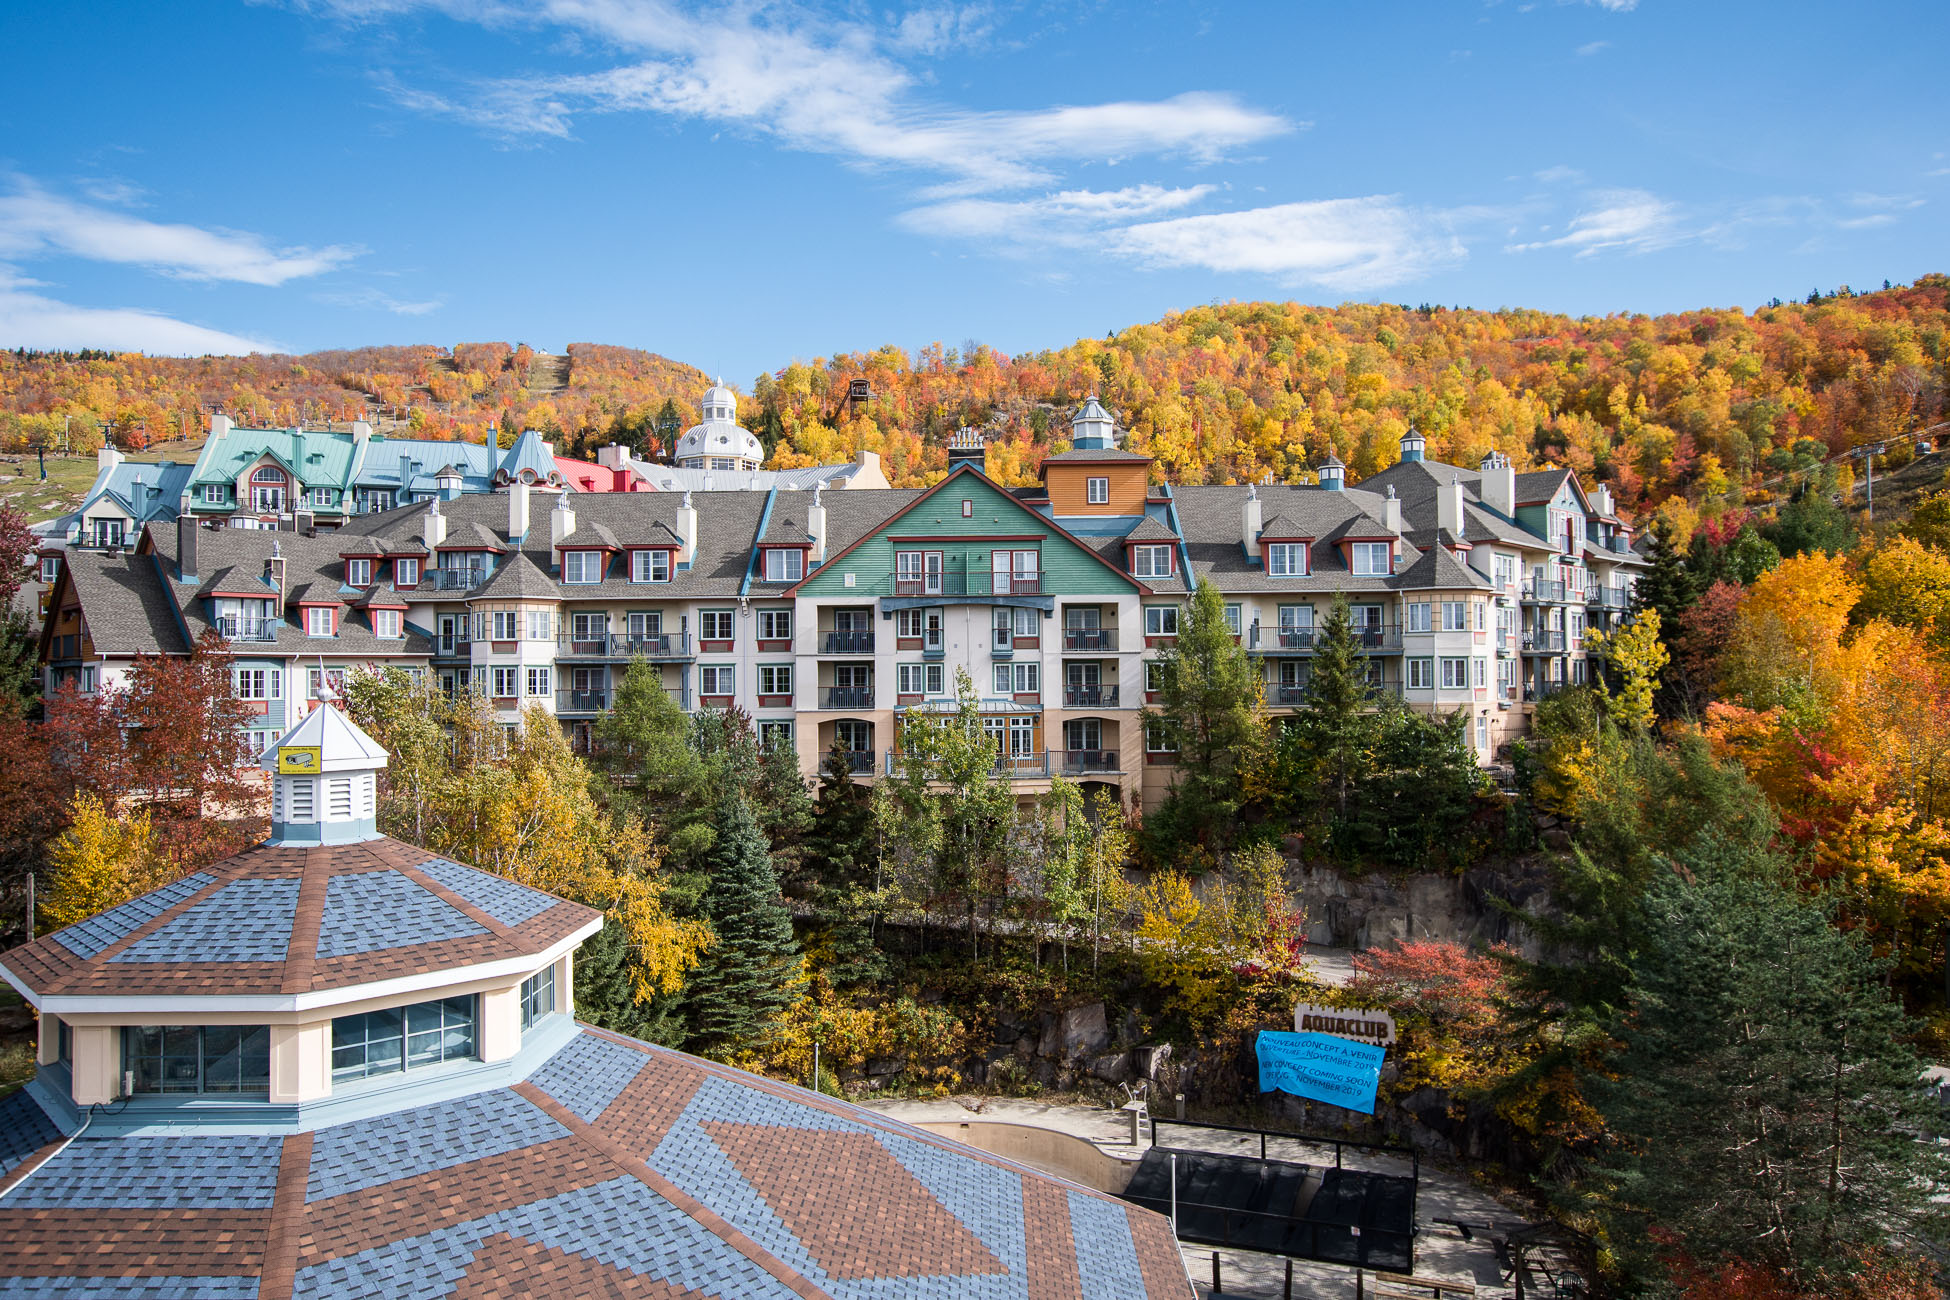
(1907, 583)
(1637, 656)
(100, 861)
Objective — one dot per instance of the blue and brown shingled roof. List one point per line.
(615, 1169)
(292, 920)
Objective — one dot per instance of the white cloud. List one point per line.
(829, 87)
(374, 299)
(31, 320)
(34, 223)
(1616, 6)
(1590, 48)
(939, 28)
(1554, 175)
(1348, 245)
(1631, 219)
(1068, 217)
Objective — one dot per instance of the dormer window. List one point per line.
(358, 573)
(386, 624)
(319, 620)
(406, 572)
(650, 566)
(582, 566)
(1151, 561)
(1371, 558)
(1096, 491)
(1286, 560)
(783, 564)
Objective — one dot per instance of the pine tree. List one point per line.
(839, 862)
(1211, 711)
(606, 995)
(749, 974)
(1767, 1103)
(1325, 747)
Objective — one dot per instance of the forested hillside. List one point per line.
(1701, 408)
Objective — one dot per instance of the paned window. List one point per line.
(1286, 560)
(406, 572)
(1018, 679)
(775, 679)
(775, 625)
(650, 566)
(402, 1038)
(539, 625)
(775, 735)
(1418, 617)
(1161, 620)
(1506, 570)
(1156, 741)
(259, 683)
(538, 681)
(1151, 561)
(1371, 557)
(1482, 671)
(358, 573)
(198, 1058)
(588, 627)
(1455, 616)
(323, 683)
(582, 566)
(715, 625)
(318, 620)
(1421, 674)
(505, 682)
(784, 565)
(1096, 491)
(1235, 618)
(1455, 674)
(507, 624)
(919, 679)
(386, 623)
(716, 679)
(537, 996)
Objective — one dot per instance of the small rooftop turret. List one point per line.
(324, 774)
(1412, 444)
(1092, 428)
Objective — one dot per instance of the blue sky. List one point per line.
(739, 185)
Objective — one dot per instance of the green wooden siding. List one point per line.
(1067, 569)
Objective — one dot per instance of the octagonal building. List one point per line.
(336, 1065)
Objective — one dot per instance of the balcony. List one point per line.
(233, 627)
(846, 697)
(1088, 640)
(455, 579)
(651, 645)
(846, 643)
(1378, 638)
(1543, 642)
(1008, 767)
(450, 647)
(1082, 762)
(1290, 694)
(1089, 697)
(1543, 591)
(587, 701)
(1542, 691)
(859, 762)
(1608, 598)
(981, 583)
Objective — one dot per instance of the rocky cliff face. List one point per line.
(1375, 911)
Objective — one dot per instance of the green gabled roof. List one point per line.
(328, 456)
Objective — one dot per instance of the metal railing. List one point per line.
(453, 647)
(1609, 598)
(979, 583)
(1079, 761)
(1089, 697)
(852, 642)
(233, 627)
(456, 579)
(1009, 767)
(859, 762)
(847, 697)
(593, 700)
(603, 645)
(1285, 693)
(1543, 641)
(1543, 690)
(1089, 639)
(1543, 589)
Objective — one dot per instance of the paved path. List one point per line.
(1439, 1250)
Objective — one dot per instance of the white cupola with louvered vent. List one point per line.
(324, 781)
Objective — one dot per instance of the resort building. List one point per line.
(337, 1065)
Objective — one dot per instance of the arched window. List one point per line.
(267, 474)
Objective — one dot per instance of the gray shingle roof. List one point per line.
(1085, 454)
(126, 604)
(519, 579)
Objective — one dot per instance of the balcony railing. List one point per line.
(651, 645)
(1008, 767)
(456, 579)
(1378, 638)
(1608, 598)
(1088, 639)
(1542, 690)
(846, 643)
(847, 697)
(1285, 693)
(233, 627)
(982, 583)
(1076, 762)
(1089, 697)
(1543, 641)
(859, 762)
(1543, 589)
(587, 701)
(452, 647)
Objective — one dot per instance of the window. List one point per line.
(321, 496)
(505, 681)
(1482, 671)
(1455, 616)
(1083, 733)
(1296, 618)
(1018, 679)
(1418, 617)
(784, 565)
(259, 684)
(1421, 674)
(919, 679)
(1022, 737)
(1161, 620)
(853, 677)
(1506, 675)
(853, 736)
(650, 566)
(907, 624)
(1151, 561)
(216, 494)
(1506, 570)
(775, 625)
(1235, 618)
(540, 627)
(1455, 674)
(1286, 560)
(198, 1058)
(318, 620)
(1156, 741)
(538, 683)
(323, 682)
(588, 627)
(1482, 614)
(1371, 557)
(376, 499)
(1013, 623)
(507, 624)
(917, 573)
(386, 623)
(1154, 675)
(406, 572)
(716, 679)
(50, 568)
(775, 735)
(1096, 491)
(714, 625)
(358, 573)
(402, 1038)
(267, 474)
(967, 508)
(775, 679)
(537, 996)
(582, 566)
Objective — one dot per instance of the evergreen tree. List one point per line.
(1669, 586)
(605, 991)
(670, 424)
(1767, 1104)
(645, 739)
(1810, 522)
(749, 975)
(839, 861)
(1421, 788)
(1326, 747)
(1211, 711)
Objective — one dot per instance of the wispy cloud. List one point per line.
(35, 223)
(1590, 48)
(1348, 245)
(370, 299)
(1065, 218)
(1630, 219)
(29, 319)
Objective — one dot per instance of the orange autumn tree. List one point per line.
(1845, 723)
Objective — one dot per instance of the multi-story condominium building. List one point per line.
(833, 617)
(124, 497)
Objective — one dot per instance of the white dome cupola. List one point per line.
(719, 443)
(324, 781)
(1092, 428)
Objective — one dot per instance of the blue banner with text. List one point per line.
(1320, 1067)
